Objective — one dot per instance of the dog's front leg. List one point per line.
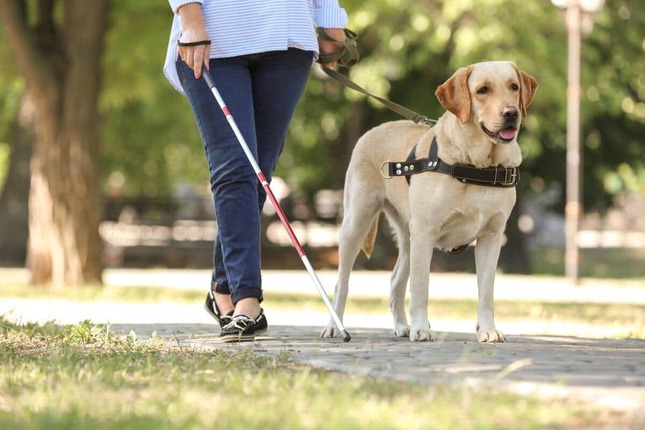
(487, 253)
(420, 257)
(340, 298)
(398, 285)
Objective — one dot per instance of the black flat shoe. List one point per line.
(240, 329)
(244, 329)
(261, 324)
(211, 307)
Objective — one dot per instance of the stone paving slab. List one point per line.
(607, 373)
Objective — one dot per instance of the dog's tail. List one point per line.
(370, 237)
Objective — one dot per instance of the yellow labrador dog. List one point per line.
(463, 192)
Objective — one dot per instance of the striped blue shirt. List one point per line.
(241, 27)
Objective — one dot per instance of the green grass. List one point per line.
(85, 376)
(92, 293)
(614, 263)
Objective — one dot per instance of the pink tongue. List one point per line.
(507, 133)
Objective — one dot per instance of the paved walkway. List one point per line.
(609, 373)
(606, 373)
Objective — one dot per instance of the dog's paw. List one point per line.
(330, 331)
(491, 336)
(420, 335)
(401, 330)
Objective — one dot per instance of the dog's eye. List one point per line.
(515, 87)
(483, 90)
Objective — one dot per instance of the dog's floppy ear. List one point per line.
(528, 86)
(454, 94)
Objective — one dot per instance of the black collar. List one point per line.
(504, 177)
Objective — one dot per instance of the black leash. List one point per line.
(401, 110)
(348, 56)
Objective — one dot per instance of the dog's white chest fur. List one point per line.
(455, 214)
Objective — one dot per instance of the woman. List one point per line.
(259, 54)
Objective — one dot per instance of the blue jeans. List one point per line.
(261, 91)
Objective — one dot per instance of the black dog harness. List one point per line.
(504, 177)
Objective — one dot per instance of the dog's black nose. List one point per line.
(509, 112)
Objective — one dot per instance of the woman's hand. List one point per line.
(194, 30)
(328, 46)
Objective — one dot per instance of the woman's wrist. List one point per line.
(194, 44)
(191, 17)
(176, 4)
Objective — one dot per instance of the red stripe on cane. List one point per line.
(226, 111)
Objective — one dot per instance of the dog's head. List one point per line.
(493, 95)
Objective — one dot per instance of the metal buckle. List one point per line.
(510, 176)
(513, 174)
(386, 175)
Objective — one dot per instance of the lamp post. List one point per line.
(578, 20)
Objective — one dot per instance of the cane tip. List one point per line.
(345, 335)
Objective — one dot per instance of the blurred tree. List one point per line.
(149, 137)
(14, 209)
(57, 47)
(408, 47)
(16, 139)
(613, 104)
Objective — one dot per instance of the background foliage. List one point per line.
(408, 47)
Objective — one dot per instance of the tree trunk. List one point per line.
(62, 71)
(14, 209)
